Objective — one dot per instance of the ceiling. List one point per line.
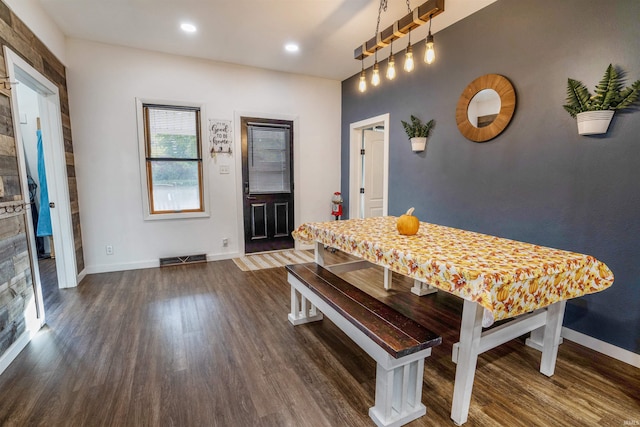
(248, 32)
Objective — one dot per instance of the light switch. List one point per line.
(224, 169)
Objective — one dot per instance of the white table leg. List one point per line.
(536, 339)
(551, 339)
(421, 288)
(387, 278)
(470, 333)
(319, 254)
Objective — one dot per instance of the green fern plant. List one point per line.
(609, 94)
(417, 129)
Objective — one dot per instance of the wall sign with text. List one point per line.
(220, 137)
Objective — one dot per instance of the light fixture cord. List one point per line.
(383, 6)
(409, 10)
(430, 16)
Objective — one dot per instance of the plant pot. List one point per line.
(418, 143)
(594, 122)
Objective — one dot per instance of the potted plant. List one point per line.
(418, 132)
(594, 112)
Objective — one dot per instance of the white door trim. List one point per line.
(55, 159)
(355, 167)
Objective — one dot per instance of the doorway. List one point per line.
(40, 217)
(369, 167)
(267, 177)
(372, 179)
(35, 101)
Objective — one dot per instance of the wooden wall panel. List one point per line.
(16, 284)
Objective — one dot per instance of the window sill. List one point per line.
(177, 215)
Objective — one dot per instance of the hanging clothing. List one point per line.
(44, 217)
(34, 213)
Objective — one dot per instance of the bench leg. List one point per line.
(398, 395)
(421, 288)
(470, 334)
(302, 311)
(536, 339)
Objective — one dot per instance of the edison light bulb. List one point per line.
(429, 54)
(391, 68)
(408, 59)
(375, 78)
(362, 86)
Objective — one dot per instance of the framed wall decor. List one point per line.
(220, 137)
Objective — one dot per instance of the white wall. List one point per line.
(32, 14)
(103, 83)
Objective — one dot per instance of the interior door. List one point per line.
(372, 173)
(267, 174)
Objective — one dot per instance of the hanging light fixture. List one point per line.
(375, 77)
(391, 65)
(362, 86)
(429, 53)
(408, 57)
(400, 28)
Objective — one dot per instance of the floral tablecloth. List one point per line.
(506, 277)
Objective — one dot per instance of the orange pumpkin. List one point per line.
(408, 224)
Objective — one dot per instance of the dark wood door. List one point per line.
(267, 175)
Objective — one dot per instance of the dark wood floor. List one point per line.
(209, 345)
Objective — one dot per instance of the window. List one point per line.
(173, 159)
(269, 158)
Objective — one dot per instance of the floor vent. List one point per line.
(182, 260)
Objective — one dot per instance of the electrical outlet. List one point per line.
(109, 249)
(225, 242)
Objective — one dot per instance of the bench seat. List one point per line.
(398, 344)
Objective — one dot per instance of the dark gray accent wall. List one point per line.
(539, 181)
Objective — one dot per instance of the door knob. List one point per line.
(52, 205)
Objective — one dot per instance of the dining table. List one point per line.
(522, 284)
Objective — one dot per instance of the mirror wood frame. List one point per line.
(507, 94)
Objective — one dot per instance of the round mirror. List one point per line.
(485, 107)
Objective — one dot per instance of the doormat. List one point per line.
(272, 260)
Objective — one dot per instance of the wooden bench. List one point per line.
(398, 344)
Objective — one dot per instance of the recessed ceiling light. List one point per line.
(291, 47)
(188, 28)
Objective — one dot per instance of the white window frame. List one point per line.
(148, 216)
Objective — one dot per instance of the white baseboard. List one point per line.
(13, 350)
(108, 268)
(610, 350)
